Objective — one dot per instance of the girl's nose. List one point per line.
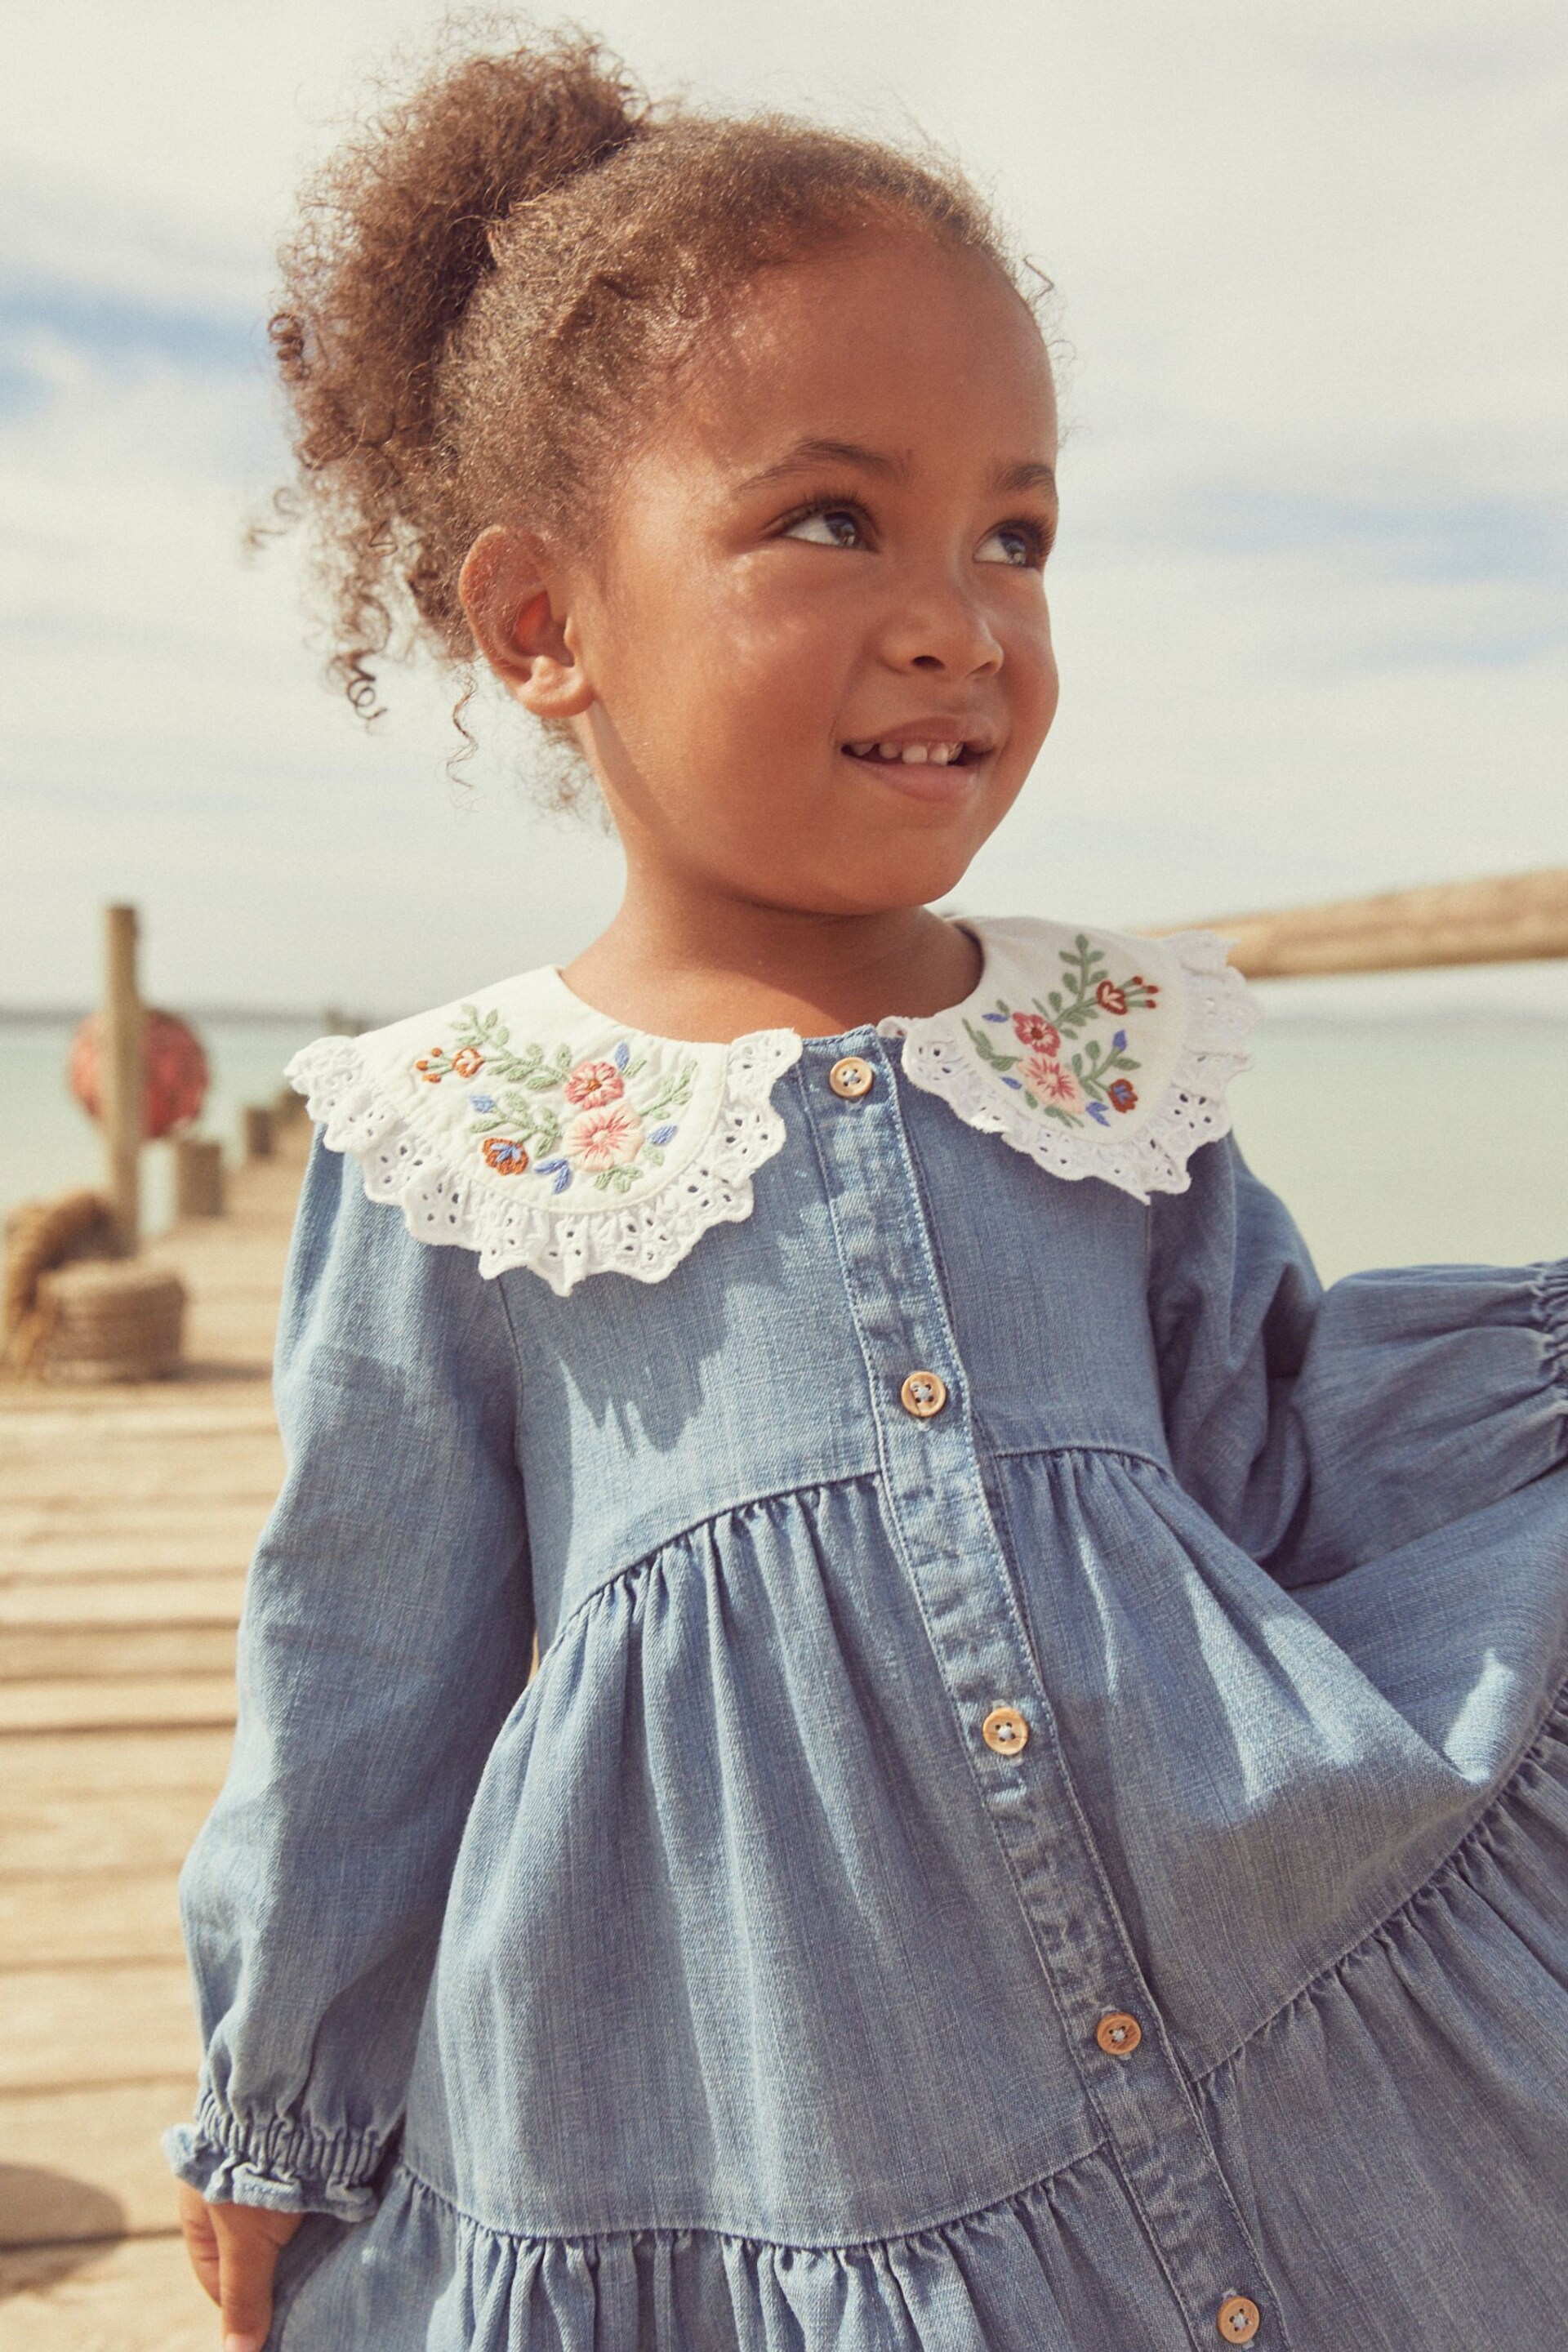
(943, 630)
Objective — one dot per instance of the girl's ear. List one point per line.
(511, 595)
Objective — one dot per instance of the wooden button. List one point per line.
(1119, 2034)
(1239, 2319)
(923, 1394)
(852, 1078)
(1005, 1730)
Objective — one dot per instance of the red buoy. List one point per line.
(174, 1072)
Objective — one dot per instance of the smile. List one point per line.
(915, 755)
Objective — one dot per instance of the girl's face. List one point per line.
(816, 639)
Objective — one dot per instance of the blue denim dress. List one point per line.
(1039, 1824)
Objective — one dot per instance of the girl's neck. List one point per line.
(716, 967)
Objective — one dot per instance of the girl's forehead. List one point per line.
(892, 342)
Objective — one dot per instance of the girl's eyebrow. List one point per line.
(810, 452)
(1029, 474)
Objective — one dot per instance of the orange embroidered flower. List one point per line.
(1123, 1093)
(432, 1076)
(468, 1061)
(593, 1082)
(505, 1154)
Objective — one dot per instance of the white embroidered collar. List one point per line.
(524, 1125)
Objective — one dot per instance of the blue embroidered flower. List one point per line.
(560, 1169)
(621, 1055)
(482, 1102)
(662, 1134)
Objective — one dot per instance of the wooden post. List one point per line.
(256, 1122)
(199, 1176)
(122, 1079)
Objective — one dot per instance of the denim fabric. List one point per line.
(720, 1987)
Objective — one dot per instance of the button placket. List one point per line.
(937, 1510)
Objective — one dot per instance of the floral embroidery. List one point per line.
(611, 1137)
(620, 1133)
(1033, 1029)
(507, 1158)
(1071, 1082)
(593, 1083)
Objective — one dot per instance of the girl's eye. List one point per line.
(828, 527)
(1011, 544)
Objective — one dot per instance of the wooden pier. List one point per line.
(127, 1517)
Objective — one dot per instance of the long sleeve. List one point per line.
(1321, 1428)
(386, 1634)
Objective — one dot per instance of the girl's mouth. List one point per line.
(890, 753)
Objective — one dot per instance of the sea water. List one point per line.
(1431, 1137)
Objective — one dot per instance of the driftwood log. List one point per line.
(1509, 919)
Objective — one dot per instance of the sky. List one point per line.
(1311, 598)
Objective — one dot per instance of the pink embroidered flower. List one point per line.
(467, 1061)
(1051, 1082)
(505, 1154)
(593, 1083)
(1123, 1093)
(1110, 998)
(600, 1138)
(1033, 1029)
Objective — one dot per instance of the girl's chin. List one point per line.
(951, 787)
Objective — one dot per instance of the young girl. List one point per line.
(1039, 1822)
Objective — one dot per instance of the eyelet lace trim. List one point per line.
(1217, 1013)
(406, 1150)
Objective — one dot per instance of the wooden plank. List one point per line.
(25, 1518)
(113, 1760)
(84, 1559)
(167, 1410)
(137, 2297)
(123, 2022)
(163, 1701)
(37, 1653)
(174, 1519)
(66, 2155)
(59, 1919)
(47, 1834)
(37, 1604)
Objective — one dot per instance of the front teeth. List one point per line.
(913, 755)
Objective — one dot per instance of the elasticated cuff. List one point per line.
(285, 2167)
(1552, 1313)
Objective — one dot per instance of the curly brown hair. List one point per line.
(495, 273)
